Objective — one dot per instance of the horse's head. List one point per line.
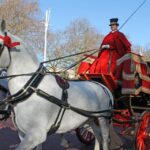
(2, 30)
(4, 50)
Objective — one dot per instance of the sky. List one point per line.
(98, 12)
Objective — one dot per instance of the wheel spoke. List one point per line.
(142, 135)
(84, 135)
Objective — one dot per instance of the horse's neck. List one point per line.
(21, 63)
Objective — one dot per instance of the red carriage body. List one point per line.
(127, 69)
(130, 85)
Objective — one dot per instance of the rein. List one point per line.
(9, 44)
(55, 59)
(31, 87)
(18, 75)
(71, 66)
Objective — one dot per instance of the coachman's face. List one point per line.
(114, 27)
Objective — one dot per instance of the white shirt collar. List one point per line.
(114, 31)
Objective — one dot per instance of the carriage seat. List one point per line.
(86, 72)
(107, 79)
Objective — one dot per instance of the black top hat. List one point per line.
(114, 21)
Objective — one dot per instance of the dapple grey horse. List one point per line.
(34, 116)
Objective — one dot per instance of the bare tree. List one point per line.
(77, 37)
(145, 51)
(23, 18)
(21, 15)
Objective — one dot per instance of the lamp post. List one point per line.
(48, 13)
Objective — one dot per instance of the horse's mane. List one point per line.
(24, 47)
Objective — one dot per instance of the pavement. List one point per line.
(9, 140)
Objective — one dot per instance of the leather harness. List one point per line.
(32, 87)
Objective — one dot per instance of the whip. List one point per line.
(132, 14)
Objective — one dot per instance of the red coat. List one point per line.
(106, 61)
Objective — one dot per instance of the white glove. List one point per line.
(105, 46)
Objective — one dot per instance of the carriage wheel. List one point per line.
(85, 135)
(142, 137)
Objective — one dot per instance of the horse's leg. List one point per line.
(39, 147)
(97, 134)
(32, 139)
(101, 133)
(104, 128)
(64, 143)
(21, 135)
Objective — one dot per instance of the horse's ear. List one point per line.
(3, 25)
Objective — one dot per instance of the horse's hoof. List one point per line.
(64, 143)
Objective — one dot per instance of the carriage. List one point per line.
(131, 90)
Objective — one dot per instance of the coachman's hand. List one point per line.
(105, 46)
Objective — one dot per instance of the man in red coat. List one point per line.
(113, 47)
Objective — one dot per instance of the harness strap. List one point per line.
(64, 86)
(22, 94)
(26, 91)
(5, 113)
(31, 87)
(66, 105)
(57, 122)
(2, 88)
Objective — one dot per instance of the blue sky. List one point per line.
(98, 12)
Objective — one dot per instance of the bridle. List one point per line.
(8, 44)
(2, 46)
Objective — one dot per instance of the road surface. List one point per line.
(9, 140)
